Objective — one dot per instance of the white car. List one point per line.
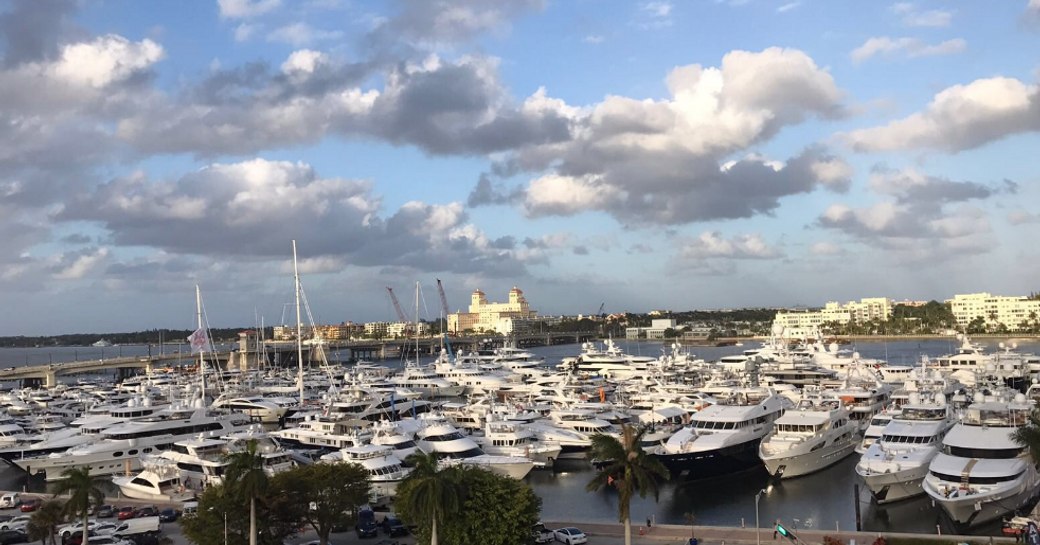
(570, 536)
(97, 528)
(11, 500)
(16, 523)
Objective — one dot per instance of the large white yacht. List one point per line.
(439, 437)
(255, 407)
(118, 449)
(158, 481)
(894, 466)
(724, 437)
(813, 436)
(609, 361)
(426, 381)
(982, 473)
(509, 438)
(201, 461)
(385, 469)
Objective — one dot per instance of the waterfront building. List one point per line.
(333, 332)
(806, 324)
(655, 331)
(504, 318)
(1014, 312)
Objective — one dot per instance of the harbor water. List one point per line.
(821, 501)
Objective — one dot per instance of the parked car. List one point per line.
(104, 512)
(169, 515)
(541, 534)
(9, 537)
(127, 512)
(570, 536)
(366, 524)
(28, 506)
(392, 526)
(16, 523)
(11, 500)
(146, 512)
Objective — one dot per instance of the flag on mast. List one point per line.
(199, 341)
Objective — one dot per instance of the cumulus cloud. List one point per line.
(711, 244)
(300, 34)
(1020, 216)
(1031, 16)
(76, 265)
(910, 47)
(439, 22)
(252, 208)
(920, 216)
(826, 249)
(959, 118)
(654, 15)
(30, 29)
(784, 8)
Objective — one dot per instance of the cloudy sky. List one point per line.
(642, 155)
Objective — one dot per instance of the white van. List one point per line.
(8, 501)
(143, 525)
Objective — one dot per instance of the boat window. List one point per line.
(978, 480)
(963, 452)
(117, 454)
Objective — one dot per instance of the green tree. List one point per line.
(1029, 435)
(245, 478)
(44, 522)
(628, 468)
(332, 493)
(428, 494)
(221, 510)
(83, 494)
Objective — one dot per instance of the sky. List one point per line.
(637, 155)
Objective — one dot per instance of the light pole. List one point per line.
(758, 528)
(225, 525)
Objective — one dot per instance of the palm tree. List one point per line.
(434, 495)
(79, 485)
(45, 520)
(626, 466)
(1029, 435)
(245, 478)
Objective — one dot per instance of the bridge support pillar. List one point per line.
(50, 380)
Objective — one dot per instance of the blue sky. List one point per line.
(643, 155)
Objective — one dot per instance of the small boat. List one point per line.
(160, 480)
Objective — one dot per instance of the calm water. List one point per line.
(823, 500)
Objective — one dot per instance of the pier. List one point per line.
(279, 353)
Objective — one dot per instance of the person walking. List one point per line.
(648, 523)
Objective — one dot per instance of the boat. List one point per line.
(724, 437)
(255, 407)
(436, 436)
(159, 481)
(385, 469)
(982, 473)
(202, 461)
(510, 438)
(102, 343)
(895, 465)
(815, 435)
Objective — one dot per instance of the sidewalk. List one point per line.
(680, 534)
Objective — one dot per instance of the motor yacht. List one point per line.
(510, 438)
(982, 473)
(437, 436)
(894, 466)
(816, 434)
(385, 469)
(255, 407)
(159, 480)
(724, 437)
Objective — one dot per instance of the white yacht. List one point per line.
(863, 401)
(323, 433)
(438, 437)
(982, 473)
(158, 481)
(255, 407)
(609, 361)
(875, 428)
(425, 381)
(118, 449)
(894, 466)
(396, 436)
(509, 438)
(813, 436)
(724, 437)
(385, 469)
(202, 461)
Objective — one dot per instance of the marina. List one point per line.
(821, 500)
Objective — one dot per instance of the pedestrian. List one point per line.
(648, 525)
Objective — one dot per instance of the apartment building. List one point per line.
(1014, 312)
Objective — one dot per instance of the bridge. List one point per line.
(279, 353)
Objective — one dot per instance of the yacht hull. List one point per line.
(895, 485)
(710, 463)
(972, 509)
(797, 465)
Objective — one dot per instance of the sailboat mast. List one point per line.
(416, 322)
(299, 323)
(202, 353)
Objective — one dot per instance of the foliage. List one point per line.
(332, 491)
(152, 336)
(627, 467)
(245, 479)
(1029, 435)
(278, 519)
(500, 509)
(45, 521)
(428, 496)
(83, 494)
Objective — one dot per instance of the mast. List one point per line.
(202, 353)
(299, 324)
(417, 322)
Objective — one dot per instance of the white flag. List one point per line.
(199, 341)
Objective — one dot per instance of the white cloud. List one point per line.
(1020, 216)
(245, 31)
(244, 9)
(104, 60)
(911, 47)
(958, 118)
(78, 266)
(788, 7)
(303, 61)
(914, 17)
(826, 248)
(654, 15)
(593, 39)
(711, 244)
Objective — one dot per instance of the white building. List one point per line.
(1014, 312)
(807, 324)
(503, 318)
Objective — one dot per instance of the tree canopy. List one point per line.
(332, 492)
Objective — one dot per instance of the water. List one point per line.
(823, 500)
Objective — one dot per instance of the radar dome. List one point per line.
(1020, 398)
(978, 397)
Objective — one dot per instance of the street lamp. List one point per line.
(758, 529)
(225, 524)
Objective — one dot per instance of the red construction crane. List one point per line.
(444, 300)
(397, 306)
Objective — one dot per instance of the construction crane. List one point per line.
(600, 312)
(396, 306)
(444, 307)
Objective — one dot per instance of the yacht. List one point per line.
(425, 381)
(255, 407)
(982, 473)
(815, 435)
(876, 427)
(323, 433)
(506, 438)
(894, 466)
(119, 448)
(609, 361)
(158, 481)
(863, 402)
(397, 435)
(439, 437)
(724, 437)
(202, 461)
(385, 469)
